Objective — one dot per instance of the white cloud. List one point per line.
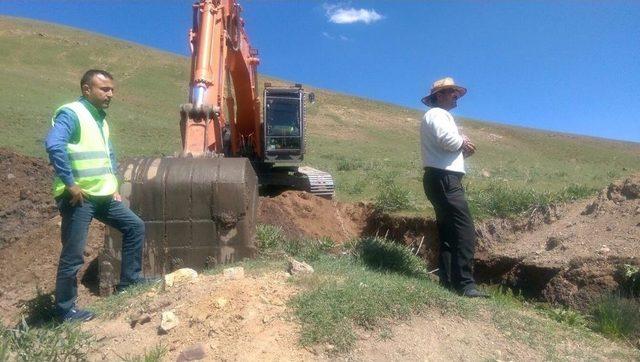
(339, 15)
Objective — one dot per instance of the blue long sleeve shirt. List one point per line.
(66, 129)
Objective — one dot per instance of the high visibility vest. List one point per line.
(90, 163)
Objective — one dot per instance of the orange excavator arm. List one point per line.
(221, 49)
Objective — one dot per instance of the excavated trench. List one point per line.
(421, 236)
(577, 282)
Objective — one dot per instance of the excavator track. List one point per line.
(305, 178)
(319, 183)
(198, 213)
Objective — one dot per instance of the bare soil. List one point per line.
(244, 319)
(302, 215)
(435, 337)
(24, 202)
(568, 254)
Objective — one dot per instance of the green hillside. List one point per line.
(368, 146)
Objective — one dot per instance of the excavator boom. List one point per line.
(221, 51)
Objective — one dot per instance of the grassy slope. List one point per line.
(359, 141)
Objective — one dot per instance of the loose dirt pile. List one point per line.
(29, 266)
(302, 215)
(25, 201)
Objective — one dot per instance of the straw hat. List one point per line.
(441, 84)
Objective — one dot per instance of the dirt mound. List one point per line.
(618, 194)
(302, 215)
(26, 201)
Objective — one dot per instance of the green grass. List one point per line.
(156, 354)
(111, 306)
(345, 293)
(392, 196)
(272, 243)
(618, 317)
(504, 200)
(630, 280)
(550, 329)
(567, 316)
(373, 280)
(384, 255)
(54, 342)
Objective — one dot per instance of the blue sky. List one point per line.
(571, 66)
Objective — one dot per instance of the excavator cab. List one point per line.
(283, 130)
(283, 125)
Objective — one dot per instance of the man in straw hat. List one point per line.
(443, 152)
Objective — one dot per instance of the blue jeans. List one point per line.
(75, 226)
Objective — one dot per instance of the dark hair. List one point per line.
(89, 74)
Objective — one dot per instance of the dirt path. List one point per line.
(435, 337)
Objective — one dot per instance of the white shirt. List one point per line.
(440, 141)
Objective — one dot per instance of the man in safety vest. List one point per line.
(86, 187)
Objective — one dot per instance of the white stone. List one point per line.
(169, 321)
(234, 273)
(221, 303)
(296, 267)
(179, 276)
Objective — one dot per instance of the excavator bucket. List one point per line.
(198, 213)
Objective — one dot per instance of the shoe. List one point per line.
(474, 293)
(77, 315)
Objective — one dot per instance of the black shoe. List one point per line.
(474, 293)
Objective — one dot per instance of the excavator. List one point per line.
(199, 206)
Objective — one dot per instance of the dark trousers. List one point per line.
(455, 227)
(75, 227)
